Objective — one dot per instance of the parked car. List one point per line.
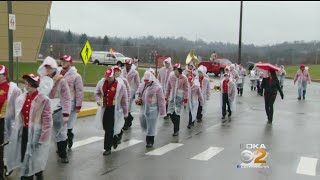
(216, 66)
(107, 58)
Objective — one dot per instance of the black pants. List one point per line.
(70, 135)
(62, 149)
(24, 142)
(1, 147)
(225, 102)
(108, 125)
(150, 139)
(176, 121)
(190, 118)
(199, 112)
(128, 120)
(269, 101)
(39, 176)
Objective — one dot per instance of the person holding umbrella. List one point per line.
(270, 85)
(303, 77)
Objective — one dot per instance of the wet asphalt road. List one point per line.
(292, 144)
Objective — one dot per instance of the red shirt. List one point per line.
(200, 79)
(4, 89)
(109, 92)
(225, 86)
(26, 108)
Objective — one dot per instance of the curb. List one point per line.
(87, 112)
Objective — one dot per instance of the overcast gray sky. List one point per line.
(263, 22)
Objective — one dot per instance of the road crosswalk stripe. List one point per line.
(208, 154)
(164, 149)
(127, 144)
(307, 166)
(86, 141)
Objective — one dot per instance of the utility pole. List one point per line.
(240, 34)
(10, 42)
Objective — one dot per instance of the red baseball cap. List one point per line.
(177, 65)
(32, 76)
(302, 65)
(3, 70)
(117, 67)
(128, 61)
(67, 58)
(109, 72)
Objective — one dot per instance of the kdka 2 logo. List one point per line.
(253, 156)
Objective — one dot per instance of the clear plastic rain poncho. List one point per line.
(164, 74)
(60, 98)
(194, 96)
(177, 91)
(205, 88)
(231, 94)
(134, 80)
(39, 133)
(153, 103)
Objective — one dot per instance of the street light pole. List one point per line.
(10, 42)
(240, 34)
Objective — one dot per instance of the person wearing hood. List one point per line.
(190, 70)
(176, 96)
(29, 144)
(281, 76)
(132, 75)
(112, 99)
(163, 76)
(60, 104)
(303, 77)
(195, 99)
(205, 90)
(242, 74)
(234, 75)
(150, 97)
(228, 95)
(9, 92)
(76, 91)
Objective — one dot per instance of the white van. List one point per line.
(107, 58)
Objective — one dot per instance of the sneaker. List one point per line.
(229, 115)
(64, 160)
(304, 97)
(176, 133)
(115, 144)
(199, 120)
(189, 126)
(223, 117)
(299, 98)
(70, 143)
(107, 152)
(166, 117)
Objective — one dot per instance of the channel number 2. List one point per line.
(261, 155)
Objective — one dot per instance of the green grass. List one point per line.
(314, 70)
(89, 97)
(91, 74)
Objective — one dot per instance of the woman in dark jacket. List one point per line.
(270, 85)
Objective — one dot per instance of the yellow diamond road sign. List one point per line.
(86, 52)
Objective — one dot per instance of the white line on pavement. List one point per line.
(127, 144)
(307, 166)
(86, 141)
(164, 149)
(208, 154)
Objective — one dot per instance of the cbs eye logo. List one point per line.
(247, 156)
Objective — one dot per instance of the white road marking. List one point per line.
(126, 144)
(208, 154)
(164, 149)
(86, 141)
(307, 166)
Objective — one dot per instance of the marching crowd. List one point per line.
(48, 105)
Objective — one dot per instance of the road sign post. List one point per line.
(85, 55)
(10, 39)
(17, 52)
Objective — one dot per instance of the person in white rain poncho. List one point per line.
(281, 75)
(253, 79)
(9, 92)
(242, 73)
(60, 104)
(133, 78)
(30, 139)
(195, 99)
(151, 99)
(234, 76)
(205, 90)
(112, 100)
(228, 95)
(163, 76)
(176, 96)
(76, 91)
(303, 77)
